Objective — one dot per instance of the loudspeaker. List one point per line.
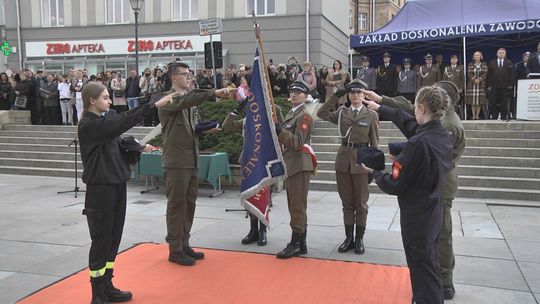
(218, 55)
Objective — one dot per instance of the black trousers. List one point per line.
(498, 103)
(51, 116)
(105, 210)
(423, 262)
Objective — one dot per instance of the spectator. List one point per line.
(64, 89)
(23, 89)
(49, 93)
(243, 90)
(118, 86)
(499, 82)
(475, 96)
(132, 91)
(5, 92)
(282, 82)
(206, 81)
(323, 74)
(76, 86)
(335, 80)
(309, 78)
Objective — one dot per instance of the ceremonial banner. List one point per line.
(262, 162)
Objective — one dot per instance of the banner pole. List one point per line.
(265, 69)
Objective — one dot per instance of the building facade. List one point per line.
(385, 10)
(56, 35)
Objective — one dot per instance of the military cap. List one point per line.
(407, 61)
(204, 126)
(396, 148)
(386, 54)
(428, 56)
(356, 85)
(365, 58)
(371, 157)
(299, 86)
(525, 54)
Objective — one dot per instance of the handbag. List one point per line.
(118, 93)
(21, 101)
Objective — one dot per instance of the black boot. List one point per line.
(98, 291)
(114, 294)
(348, 244)
(449, 292)
(197, 255)
(293, 248)
(359, 240)
(262, 235)
(253, 234)
(303, 243)
(181, 258)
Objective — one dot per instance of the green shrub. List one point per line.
(223, 141)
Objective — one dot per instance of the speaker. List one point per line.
(218, 55)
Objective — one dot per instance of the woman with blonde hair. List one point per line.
(106, 171)
(475, 96)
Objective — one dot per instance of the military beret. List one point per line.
(386, 54)
(204, 126)
(371, 157)
(356, 85)
(407, 61)
(396, 148)
(428, 56)
(299, 86)
(365, 58)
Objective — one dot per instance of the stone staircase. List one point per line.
(501, 161)
(43, 150)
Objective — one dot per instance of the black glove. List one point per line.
(279, 128)
(241, 105)
(340, 92)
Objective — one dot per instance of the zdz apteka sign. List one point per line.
(210, 26)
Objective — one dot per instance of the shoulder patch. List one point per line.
(396, 170)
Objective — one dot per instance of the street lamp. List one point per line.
(136, 6)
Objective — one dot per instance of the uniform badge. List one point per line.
(396, 170)
(362, 123)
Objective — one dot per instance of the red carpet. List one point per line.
(238, 277)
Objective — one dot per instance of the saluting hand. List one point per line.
(224, 92)
(372, 105)
(165, 100)
(373, 96)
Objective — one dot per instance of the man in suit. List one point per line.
(535, 61)
(387, 77)
(407, 81)
(499, 79)
(367, 74)
(523, 68)
(293, 135)
(180, 160)
(428, 73)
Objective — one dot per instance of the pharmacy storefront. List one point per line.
(114, 54)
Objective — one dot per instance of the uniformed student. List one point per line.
(407, 81)
(417, 179)
(293, 134)
(452, 123)
(180, 159)
(387, 77)
(358, 127)
(428, 73)
(105, 174)
(367, 74)
(232, 123)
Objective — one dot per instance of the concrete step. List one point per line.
(471, 192)
(67, 156)
(33, 147)
(39, 163)
(468, 133)
(29, 128)
(484, 142)
(467, 125)
(56, 172)
(50, 134)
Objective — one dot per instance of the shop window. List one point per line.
(52, 13)
(185, 9)
(118, 11)
(261, 7)
(362, 21)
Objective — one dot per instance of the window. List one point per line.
(350, 19)
(52, 12)
(118, 11)
(362, 21)
(261, 7)
(185, 9)
(2, 16)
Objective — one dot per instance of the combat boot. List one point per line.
(359, 240)
(293, 248)
(98, 291)
(114, 294)
(253, 234)
(197, 255)
(179, 257)
(348, 244)
(262, 235)
(303, 243)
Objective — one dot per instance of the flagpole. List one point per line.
(265, 69)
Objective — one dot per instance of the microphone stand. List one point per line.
(75, 142)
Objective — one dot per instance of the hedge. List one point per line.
(229, 142)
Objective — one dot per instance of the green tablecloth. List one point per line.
(211, 166)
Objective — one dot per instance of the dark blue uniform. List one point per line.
(417, 176)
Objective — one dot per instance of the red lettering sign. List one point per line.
(151, 45)
(66, 48)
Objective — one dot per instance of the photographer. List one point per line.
(156, 88)
(144, 85)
